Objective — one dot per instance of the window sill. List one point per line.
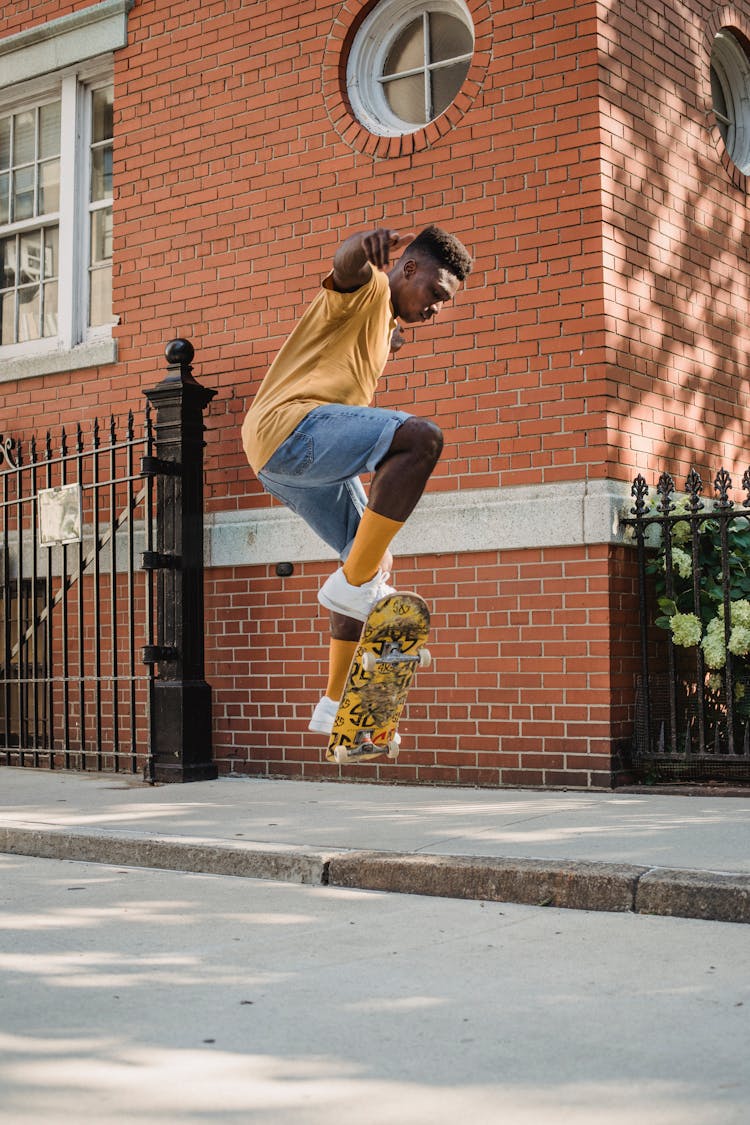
(92, 354)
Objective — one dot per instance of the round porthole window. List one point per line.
(730, 93)
(407, 62)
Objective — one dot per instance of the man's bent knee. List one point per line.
(419, 436)
(433, 439)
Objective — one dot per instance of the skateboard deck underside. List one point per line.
(372, 702)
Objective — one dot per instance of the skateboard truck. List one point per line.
(365, 748)
(392, 654)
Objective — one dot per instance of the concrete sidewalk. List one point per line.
(686, 856)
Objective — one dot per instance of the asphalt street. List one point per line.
(171, 998)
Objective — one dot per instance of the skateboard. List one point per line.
(389, 652)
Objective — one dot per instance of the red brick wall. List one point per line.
(675, 245)
(521, 692)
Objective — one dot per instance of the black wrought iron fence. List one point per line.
(76, 607)
(101, 592)
(693, 692)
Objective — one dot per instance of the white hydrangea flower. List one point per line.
(739, 640)
(682, 563)
(713, 644)
(681, 532)
(686, 629)
(741, 613)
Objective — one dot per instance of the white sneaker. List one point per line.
(323, 715)
(353, 601)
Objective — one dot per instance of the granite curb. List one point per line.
(569, 884)
(204, 857)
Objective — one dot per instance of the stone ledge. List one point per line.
(66, 41)
(575, 513)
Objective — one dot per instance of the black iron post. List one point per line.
(181, 698)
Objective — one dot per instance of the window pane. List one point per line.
(4, 197)
(101, 115)
(100, 275)
(4, 142)
(51, 245)
(31, 257)
(29, 302)
(7, 263)
(407, 52)
(449, 37)
(23, 194)
(7, 318)
(101, 173)
(49, 187)
(101, 235)
(23, 138)
(100, 311)
(405, 96)
(49, 130)
(446, 82)
(50, 308)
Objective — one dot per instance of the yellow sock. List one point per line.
(340, 655)
(373, 537)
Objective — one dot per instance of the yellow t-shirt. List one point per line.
(336, 353)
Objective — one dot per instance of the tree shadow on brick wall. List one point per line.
(675, 228)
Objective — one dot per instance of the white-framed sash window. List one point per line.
(56, 142)
(56, 191)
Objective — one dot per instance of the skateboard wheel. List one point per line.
(369, 661)
(425, 658)
(341, 755)
(393, 748)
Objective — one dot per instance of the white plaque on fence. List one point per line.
(59, 515)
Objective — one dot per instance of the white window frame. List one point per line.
(74, 91)
(70, 55)
(732, 65)
(369, 51)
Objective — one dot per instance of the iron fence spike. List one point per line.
(639, 491)
(665, 489)
(722, 484)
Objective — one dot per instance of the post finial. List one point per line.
(179, 352)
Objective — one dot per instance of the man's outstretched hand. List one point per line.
(380, 244)
(354, 257)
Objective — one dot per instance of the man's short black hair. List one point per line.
(445, 249)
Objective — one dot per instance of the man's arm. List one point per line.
(354, 259)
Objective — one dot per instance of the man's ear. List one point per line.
(409, 267)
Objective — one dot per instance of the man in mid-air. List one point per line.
(311, 431)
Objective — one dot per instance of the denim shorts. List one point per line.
(315, 471)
